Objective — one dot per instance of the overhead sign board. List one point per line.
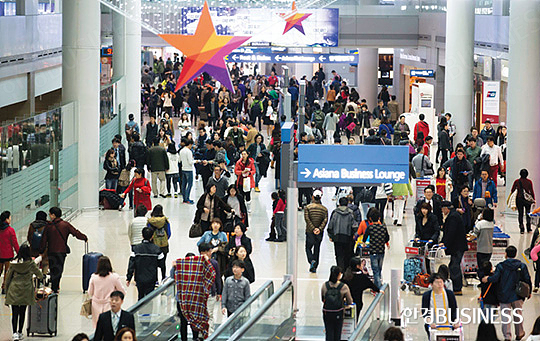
(293, 58)
(491, 94)
(264, 25)
(422, 73)
(354, 164)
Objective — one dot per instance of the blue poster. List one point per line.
(266, 26)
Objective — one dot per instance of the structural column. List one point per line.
(133, 60)
(81, 32)
(523, 109)
(368, 75)
(303, 69)
(119, 63)
(458, 89)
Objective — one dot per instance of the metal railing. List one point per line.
(257, 317)
(377, 313)
(267, 288)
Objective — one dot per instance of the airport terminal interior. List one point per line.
(387, 145)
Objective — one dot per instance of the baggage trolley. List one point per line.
(535, 218)
(414, 266)
(437, 256)
(446, 333)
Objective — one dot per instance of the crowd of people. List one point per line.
(217, 138)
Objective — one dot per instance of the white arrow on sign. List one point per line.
(278, 57)
(235, 57)
(322, 58)
(306, 173)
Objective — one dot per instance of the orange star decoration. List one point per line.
(204, 51)
(294, 19)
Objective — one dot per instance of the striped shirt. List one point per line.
(316, 216)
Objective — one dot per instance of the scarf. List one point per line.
(194, 278)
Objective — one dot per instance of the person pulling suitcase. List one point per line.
(54, 240)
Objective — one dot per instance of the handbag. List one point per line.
(526, 195)
(427, 171)
(86, 308)
(523, 290)
(246, 184)
(123, 179)
(195, 231)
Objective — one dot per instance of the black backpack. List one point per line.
(333, 299)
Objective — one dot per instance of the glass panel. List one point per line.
(238, 319)
(106, 108)
(156, 315)
(376, 318)
(277, 316)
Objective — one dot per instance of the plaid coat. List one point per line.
(194, 277)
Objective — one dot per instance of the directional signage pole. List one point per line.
(286, 94)
(302, 107)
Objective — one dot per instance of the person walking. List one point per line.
(137, 151)
(358, 282)
(54, 240)
(341, 229)
(399, 128)
(330, 125)
(455, 241)
(235, 290)
(245, 171)
(421, 126)
(102, 283)
(210, 206)
(35, 233)
(400, 192)
(316, 217)
(460, 170)
(255, 151)
(496, 160)
(438, 300)
(334, 294)
(427, 225)
(141, 187)
(524, 198)
(172, 174)
(143, 263)
(383, 193)
(8, 244)
(112, 322)
(157, 162)
(112, 167)
(483, 231)
(378, 237)
(19, 286)
(136, 226)
(508, 275)
(162, 232)
(186, 159)
(220, 181)
(485, 188)
(205, 250)
(444, 143)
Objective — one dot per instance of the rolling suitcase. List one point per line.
(90, 260)
(42, 316)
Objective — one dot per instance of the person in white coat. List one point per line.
(172, 174)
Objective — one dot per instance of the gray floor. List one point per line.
(107, 232)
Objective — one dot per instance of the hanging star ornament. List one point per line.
(294, 19)
(204, 51)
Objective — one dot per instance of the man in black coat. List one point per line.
(151, 131)
(455, 240)
(110, 322)
(433, 199)
(137, 151)
(460, 172)
(120, 151)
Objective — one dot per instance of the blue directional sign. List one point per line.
(358, 164)
(422, 73)
(293, 58)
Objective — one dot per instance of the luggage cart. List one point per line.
(437, 257)
(535, 218)
(446, 333)
(415, 253)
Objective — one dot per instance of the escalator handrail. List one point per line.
(244, 306)
(371, 309)
(164, 286)
(259, 313)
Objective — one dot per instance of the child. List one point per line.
(235, 290)
(272, 237)
(488, 291)
(443, 184)
(279, 214)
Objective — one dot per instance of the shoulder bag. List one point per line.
(195, 231)
(526, 195)
(427, 171)
(523, 290)
(86, 308)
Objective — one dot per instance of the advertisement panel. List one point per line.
(491, 91)
(266, 26)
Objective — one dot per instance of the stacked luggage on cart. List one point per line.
(422, 259)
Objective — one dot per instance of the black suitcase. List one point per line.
(90, 260)
(42, 316)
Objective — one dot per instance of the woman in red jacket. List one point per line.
(8, 243)
(142, 190)
(244, 170)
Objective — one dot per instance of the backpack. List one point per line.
(160, 237)
(256, 110)
(332, 298)
(36, 239)
(365, 195)
(318, 118)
